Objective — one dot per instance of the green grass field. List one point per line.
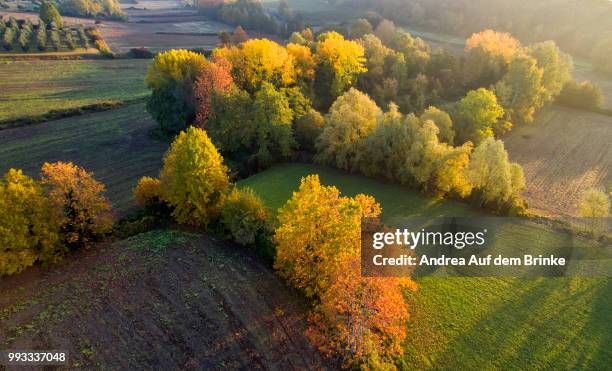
(35, 87)
(115, 145)
(479, 323)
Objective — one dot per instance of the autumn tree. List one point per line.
(239, 35)
(520, 91)
(339, 62)
(148, 192)
(28, 224)
(386, 71)
(244, 215)
(386, 31)
(416, 52)
(497, 181)
(272, 119)
(556, 68)
(360, 28)
(443, 121)
(476, 114)
(85, 213)
(304, 64)
(194, 179)
(352, 117)
(594, 203)
(216, 76)
(361, 320)
(230, 124)
(257, 61)
(487, 54)
(317, 228)
(308, 128)
(171, 77)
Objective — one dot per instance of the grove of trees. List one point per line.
(41, 220)
(261, 103)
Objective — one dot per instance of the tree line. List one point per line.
(582, 28)
(25, 36)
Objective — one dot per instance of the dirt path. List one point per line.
(160, 300)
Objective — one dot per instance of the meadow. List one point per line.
(35, 87)
(478, 322)
(115, 145)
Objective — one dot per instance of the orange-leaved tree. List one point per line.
(361, 321)
(79, 199)
(215, 77)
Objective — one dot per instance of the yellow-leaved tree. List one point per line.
(339, 62)
(257, 61)
(194, 180)
(28, 224)
(84, 212)
(317, 228)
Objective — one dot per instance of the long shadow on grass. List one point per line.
(553, 322)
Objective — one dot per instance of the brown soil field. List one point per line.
(123, 36)
(164, 300)
(563, 153)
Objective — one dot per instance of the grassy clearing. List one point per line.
(115, 145)
(31, 88)
(480, 323)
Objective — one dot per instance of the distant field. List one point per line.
(115, 145)
(479, 323)
(564, 152)
(123, 36)
(34, 87)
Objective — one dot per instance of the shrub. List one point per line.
(79, 199)
(244, 215)
(148, 192)
(194, 179)
(28, 227)
(585, 95)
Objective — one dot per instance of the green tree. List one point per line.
(171, 77)
(475, 116)
(230, 124)
(272, 118)
(556, 67)
(48, 13)
(308, 128)
(520, 91)
(352, 117)
(594, 203)
(194, 179)
(443, 121)
(498, 181)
